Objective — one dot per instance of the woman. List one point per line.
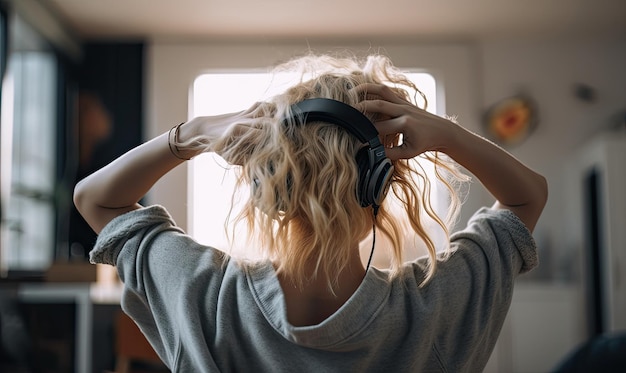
(311, 304)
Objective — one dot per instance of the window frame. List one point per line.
(212, 94)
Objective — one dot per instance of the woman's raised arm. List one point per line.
(515, 186)
(117, 188)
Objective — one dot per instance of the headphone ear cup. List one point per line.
(380, 181)
(374, 179)
(364, 168)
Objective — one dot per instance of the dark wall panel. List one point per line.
(110, 116)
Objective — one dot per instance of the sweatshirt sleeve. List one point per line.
(160, 267)
(475, 288)
(128, 227)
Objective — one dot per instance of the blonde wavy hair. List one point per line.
(303, 203)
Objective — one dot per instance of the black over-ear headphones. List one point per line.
(375, 169)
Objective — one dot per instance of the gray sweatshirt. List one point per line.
(205, 312)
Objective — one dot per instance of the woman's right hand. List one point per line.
(419, 130)
(515, 186)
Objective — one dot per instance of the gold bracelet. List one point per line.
(172, 140)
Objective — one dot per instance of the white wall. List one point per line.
(547, 70)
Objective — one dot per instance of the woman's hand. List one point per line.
(515, 186)
(208, 129)
(418, 129)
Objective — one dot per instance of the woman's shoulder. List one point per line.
(497, 233)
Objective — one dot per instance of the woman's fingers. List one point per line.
(382, 91)
(259, 109)
(385, 109)
(391, 127)
(398, 152)
(399, 137)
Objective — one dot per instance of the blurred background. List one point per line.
(84, 80)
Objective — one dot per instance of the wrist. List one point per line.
(192, 129)
(183, 139)
(452, 137)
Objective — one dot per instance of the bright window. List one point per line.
(211, 183)
(29, 152)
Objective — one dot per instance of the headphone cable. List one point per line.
(375, 208)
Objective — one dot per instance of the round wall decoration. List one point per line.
(511, 120)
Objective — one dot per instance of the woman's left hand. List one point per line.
(207, 129)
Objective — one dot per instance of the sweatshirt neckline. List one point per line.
(349, 320)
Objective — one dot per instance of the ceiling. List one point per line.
(425, 19)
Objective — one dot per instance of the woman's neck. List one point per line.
(315, 301)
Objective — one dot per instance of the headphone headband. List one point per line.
(338, 113)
